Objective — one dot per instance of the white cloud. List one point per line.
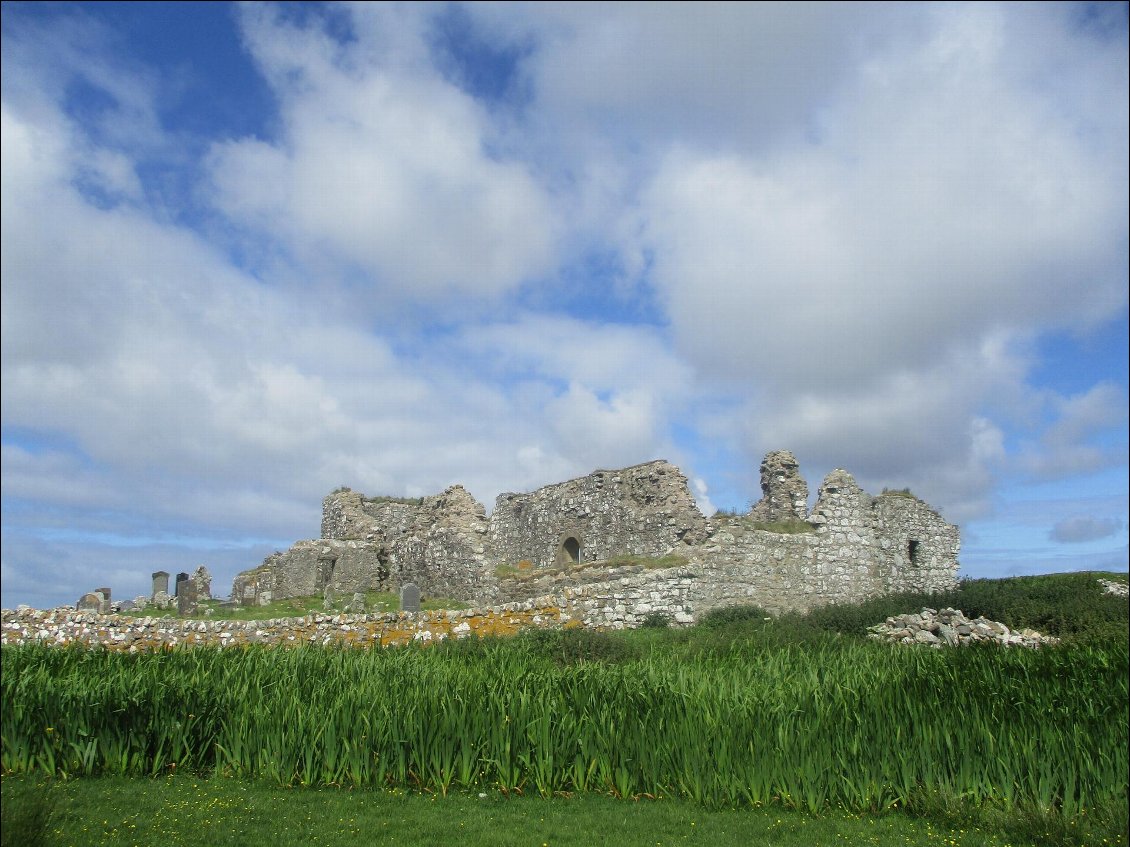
(383, 166)
(1082, 529)
(857, 284)
(853, 224)
(1069, 445)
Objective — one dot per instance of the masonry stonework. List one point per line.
(594, 547)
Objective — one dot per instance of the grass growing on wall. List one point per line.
(296, 607)
(525, 570)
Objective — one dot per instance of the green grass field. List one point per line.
(790, 730)
(192, 812)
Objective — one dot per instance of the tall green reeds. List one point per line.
(864, 725)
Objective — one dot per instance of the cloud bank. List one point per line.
(505, 245)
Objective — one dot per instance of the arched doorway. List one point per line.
(569, 551)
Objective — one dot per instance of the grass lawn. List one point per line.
(192, 812)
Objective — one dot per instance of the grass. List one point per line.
(797, 719)
(404, 501)
(787, 526)
(793, 526)
(297, 607)
(183, 811)
(899, 492)
(670, 560)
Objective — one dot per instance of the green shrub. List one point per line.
(656, 620)
(731, 615)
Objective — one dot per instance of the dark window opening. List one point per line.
(570, 551)
(912, 552)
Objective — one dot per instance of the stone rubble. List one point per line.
(949, 627)
(1119, 589)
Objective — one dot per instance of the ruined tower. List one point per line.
(784, 491)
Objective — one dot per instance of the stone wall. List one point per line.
(918, 547)
(858, 547)
(851, 546)
(444, 550)
(644, 510)
(378, 544)
(60, 628)
(349, 516)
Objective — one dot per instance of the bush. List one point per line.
(731, 615)
(656, 620)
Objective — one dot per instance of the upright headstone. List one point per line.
(186, 597)
(89, 603)
(182, 578)
(160, 583)
(410, 597)
(202, 579)
(104, 593)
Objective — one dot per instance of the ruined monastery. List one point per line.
(612, 547)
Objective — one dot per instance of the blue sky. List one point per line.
(252, 253)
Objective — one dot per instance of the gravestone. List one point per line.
(104, 593)
(202, 579)
(410, 597)
(89, 603)
(160, 583)
(162, 600)
(186, 597)
(182, 578)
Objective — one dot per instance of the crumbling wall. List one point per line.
(919, 548)
(784, 493)
(348, 515)
(444, 550)
(642, 510)
(376, 544)
(858, 546)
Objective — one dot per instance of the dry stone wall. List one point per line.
(63, 627)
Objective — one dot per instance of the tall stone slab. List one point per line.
(410, 597)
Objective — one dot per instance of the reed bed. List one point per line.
(859, 725)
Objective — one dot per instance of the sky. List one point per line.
(252, 253)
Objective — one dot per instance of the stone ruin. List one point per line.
(557, 541)
(785, 493)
